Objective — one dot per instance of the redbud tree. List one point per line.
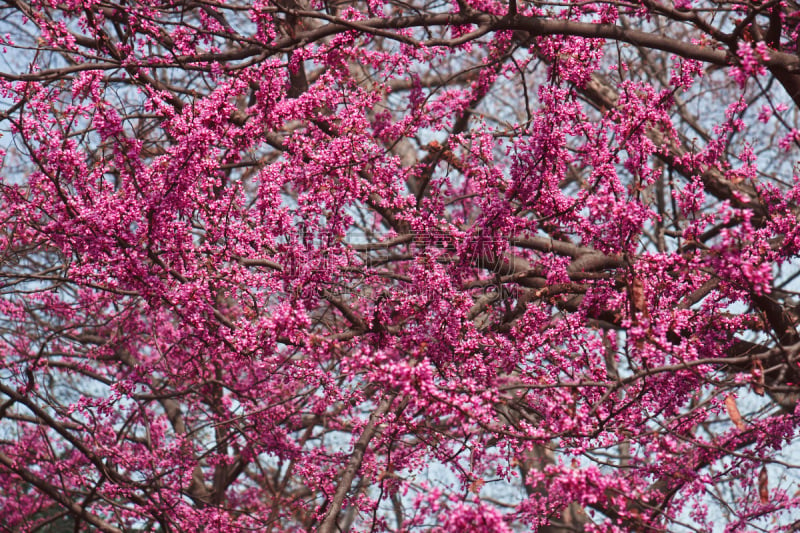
(384, 265)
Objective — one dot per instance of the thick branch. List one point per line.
(353, 465)
(58, 495)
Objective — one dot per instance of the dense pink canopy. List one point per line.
(317, 265)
